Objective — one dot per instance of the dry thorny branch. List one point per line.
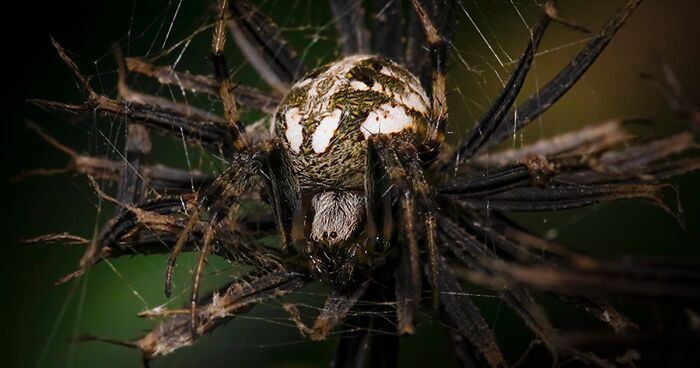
(446, 225)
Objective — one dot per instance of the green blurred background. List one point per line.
(40, 319)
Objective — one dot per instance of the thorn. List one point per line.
(125, 343)
(121, 71)
(66, 238)
(73, 67)
(49, 139)
(168, 288)
(57, 106)
(69, 277)
(193, 320)
(551, 10)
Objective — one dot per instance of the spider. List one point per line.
(364, 194)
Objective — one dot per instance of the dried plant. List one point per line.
(430, 218)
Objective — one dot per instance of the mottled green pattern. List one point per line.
(342, 164)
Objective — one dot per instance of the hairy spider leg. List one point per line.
(219, 199)
(408, 278)
(409, 157)
(438, 49)
(438, 54)
(400, 161)
(285, 196)
(232, 183)
(222, 76)
(222, 186)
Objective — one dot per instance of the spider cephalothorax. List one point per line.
(326, 120)
(359, 197)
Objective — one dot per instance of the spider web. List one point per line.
(490, 38)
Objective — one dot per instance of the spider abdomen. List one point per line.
(328, 115)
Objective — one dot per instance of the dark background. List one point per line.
(39, 319)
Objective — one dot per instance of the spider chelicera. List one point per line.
(364, 194)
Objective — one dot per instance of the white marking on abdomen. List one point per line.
(387, 119)
(294, 133)
(325, 131)
(414, 101)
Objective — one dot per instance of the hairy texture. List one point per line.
(174, 333)
(337, 216)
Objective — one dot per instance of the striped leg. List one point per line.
(225, 85)
(408, 278)
(438, 53)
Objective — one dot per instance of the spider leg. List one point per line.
(408, 280)
(541, 100)
(284, 196)
(349, 17)
(411, 161)
(388, 18)
(414, 55)
(436, 17)
(218, 199)
(117, 227)
(197, 279)
(378, 203)
(150, 226)
(438, 53)
(225, 85)
(262, 43)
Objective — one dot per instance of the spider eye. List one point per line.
(334, 235)
(325, 234)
